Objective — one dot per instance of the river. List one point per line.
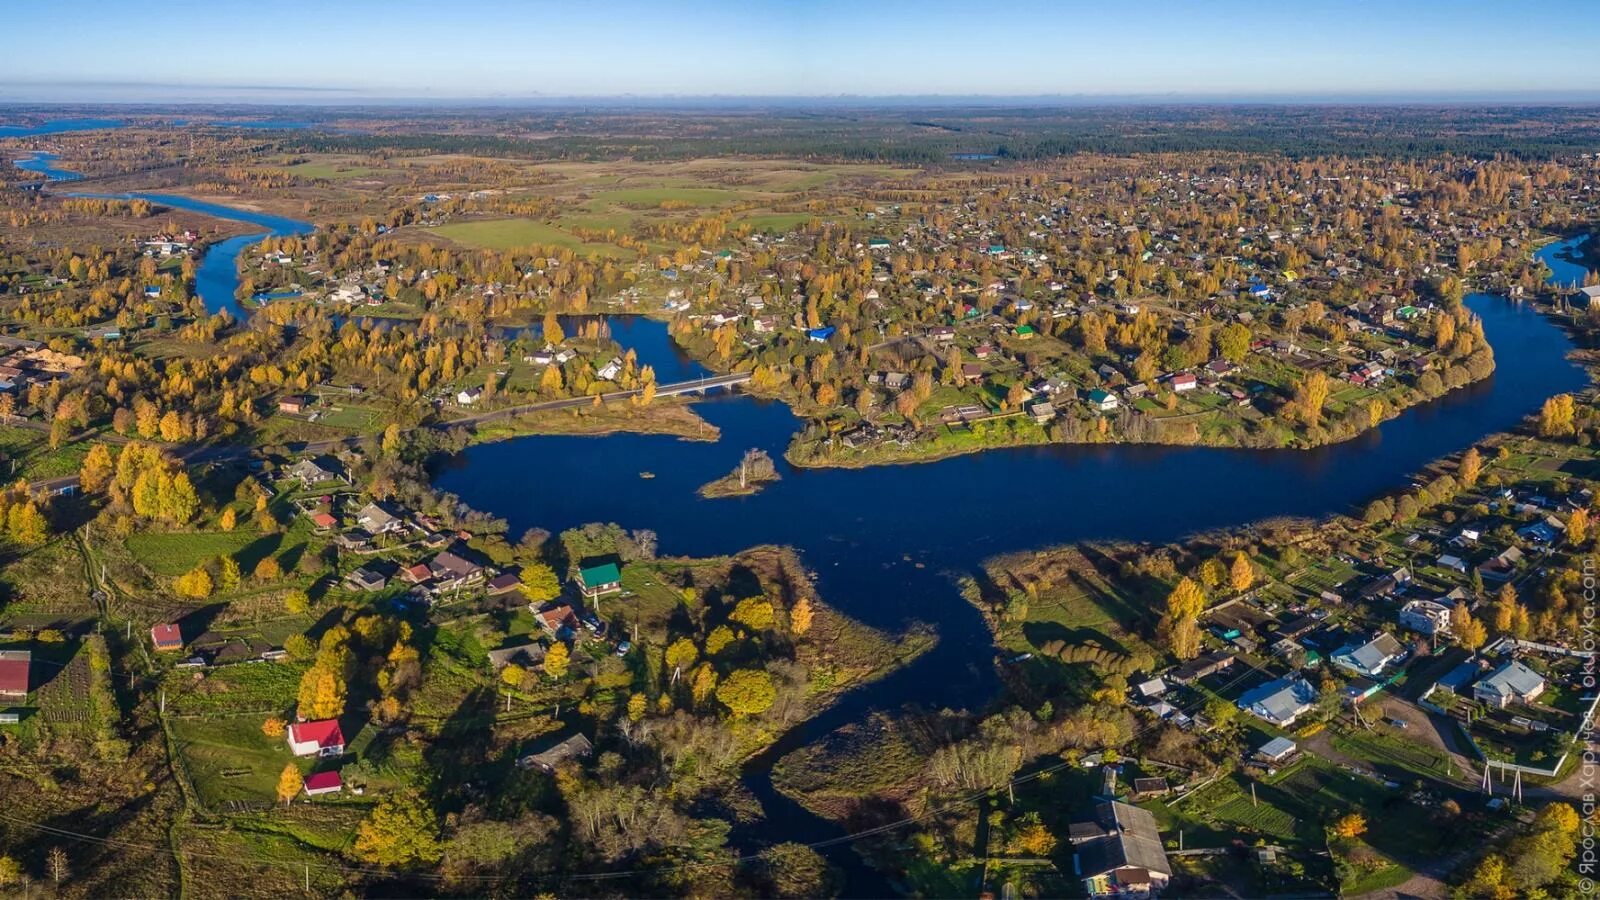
(886, 543)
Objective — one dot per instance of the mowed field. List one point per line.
(623, 198)
(510, 234)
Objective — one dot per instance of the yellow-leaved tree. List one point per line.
(289, 783)
(322, 692)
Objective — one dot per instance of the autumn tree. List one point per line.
(322, 691)
(401, 831)
(195, 584)
(681, 654)
(1242, 574)
(754, 613)
(800, 616)
(97, 468)
(1310, 394)
(290, 783)
(1578, 527)
(1471, 467)
(1180, 625)
(556, 660)
(539, 582)
(268, 569)
(1556, 416)
(747, 692)
(1350, 825)
(273, 727)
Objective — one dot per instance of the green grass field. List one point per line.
(510, 234)
(174, 553)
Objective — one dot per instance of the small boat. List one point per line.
(647, 474)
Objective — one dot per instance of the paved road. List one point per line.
(200, 455)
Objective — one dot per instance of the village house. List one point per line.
(1513, 682)
(321, 737)
(1183, 381)
(320, 783)
(1370, 658)
(1427, 617)
(365, 579)
(14, 671)
(1277, 751)
(294, 406)
(598, 579)
(309, 472)
(559, 620)
(522, 655)
(469, 396)
(1199, 667)
(450, 571)
(1118, 852)
(166, 637)
(1502, 566)
(1102, 400)
(377, 520)
(1279, 702)
(573, 748)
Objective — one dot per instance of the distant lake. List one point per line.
(58, 126)
(44, 164)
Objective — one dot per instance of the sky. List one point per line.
(340, 51)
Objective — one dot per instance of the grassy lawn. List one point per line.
(655, 196)
(229, 758)
(29, 455)
(174, 553)
(509, 234)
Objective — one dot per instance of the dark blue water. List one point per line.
(58, 126)
(44, 164)
(887, 542)
(217, 277)
(1558, 256)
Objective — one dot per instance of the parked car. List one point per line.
(624, 647)
(1400, 723)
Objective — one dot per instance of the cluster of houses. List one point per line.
(24, 363)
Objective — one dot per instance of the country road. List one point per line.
(200, 455)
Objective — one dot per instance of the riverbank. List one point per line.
(672, 417)
(1017, 430)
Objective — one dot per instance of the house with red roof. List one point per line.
(319, 783)
(324, 521)
(318, 738)
(14, 665)
(166, 637)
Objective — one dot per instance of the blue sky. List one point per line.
(336, 50)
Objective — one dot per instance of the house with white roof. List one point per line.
(1513, 682)
(1370, 658)
(1279, 702)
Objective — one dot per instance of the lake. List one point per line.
(886, 543)
(58, 126)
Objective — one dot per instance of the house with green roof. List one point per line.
(597, 579)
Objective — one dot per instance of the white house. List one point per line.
(318, 738)
(1511, 683)
(469, 396)
(1371, 658)
(1280, 701)
(1427, 617)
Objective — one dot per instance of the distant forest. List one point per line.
(966, 136)
(975, 135)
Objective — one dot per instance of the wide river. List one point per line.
(887, 543)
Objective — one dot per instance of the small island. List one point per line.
(754, 472)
